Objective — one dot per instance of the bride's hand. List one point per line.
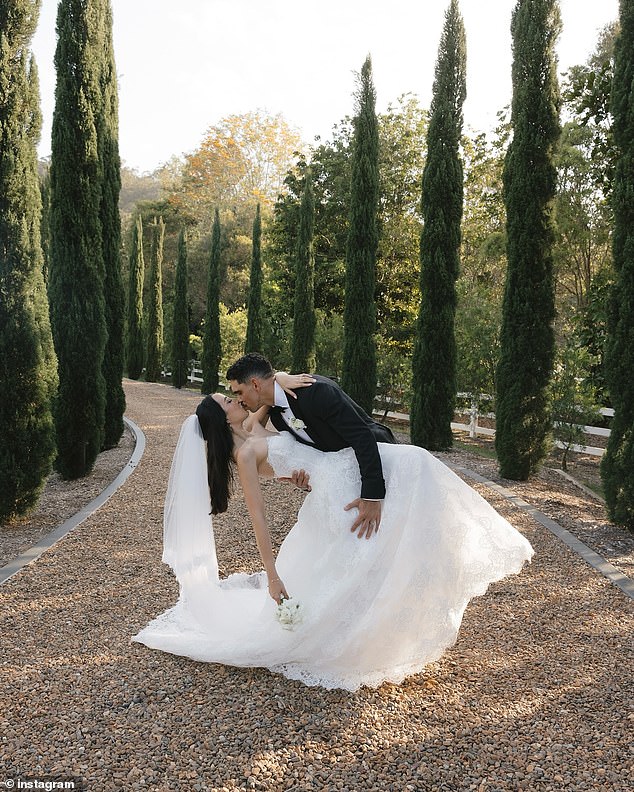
(289, 382)
(300, 479)
(277, 590)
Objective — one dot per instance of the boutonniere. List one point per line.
(297, 423)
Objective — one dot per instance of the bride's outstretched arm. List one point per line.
(250, 455)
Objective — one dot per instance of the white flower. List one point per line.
(297, 423)
(289, 613)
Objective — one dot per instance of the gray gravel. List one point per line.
(536, 694)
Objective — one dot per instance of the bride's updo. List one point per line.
(213, 424)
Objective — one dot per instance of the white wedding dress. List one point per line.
(373, 610)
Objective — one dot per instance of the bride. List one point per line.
(365, 611)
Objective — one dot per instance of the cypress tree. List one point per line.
(136, 277)
(304, 319)
(617, 468)
(212, 345)
(253, 341)
(527, 342)
(434, 363)
(108, 143)
(76, 273)
(28, 373)
(359, 316)
(154, 358)
(180, 322)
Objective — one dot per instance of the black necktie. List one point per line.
(276, 410)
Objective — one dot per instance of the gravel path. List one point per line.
(536, 695)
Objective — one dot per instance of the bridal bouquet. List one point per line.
(289, 613)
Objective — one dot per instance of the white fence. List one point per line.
(474, 429)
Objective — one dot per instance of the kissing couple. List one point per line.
(363, 612)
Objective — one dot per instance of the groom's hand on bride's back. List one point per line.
(368, 518)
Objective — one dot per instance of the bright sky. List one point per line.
(185, 65)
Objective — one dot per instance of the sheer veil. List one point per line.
(188, 539)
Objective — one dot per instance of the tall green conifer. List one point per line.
(434, 365)
(304, 319)
(180, 322)
(76, 271)
(253, 341)
(135, 348)
(617, 468)
(28, 373)
(108, 143)
(527, 342)
(154, 358)
(359, 317)
(212, 345)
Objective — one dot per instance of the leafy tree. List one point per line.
(359, 316)
(402, 153)
(243, 159)
(76, 270)
(212, 342)
(573, 397)
(582, 242)
(587, 94)
(233, 329)
(434, 366)
(180, 322)
(617, 467)
(253, 341)
(527, 336)
(304, 319)
(110, 166)
(154, 359)
(28, 374)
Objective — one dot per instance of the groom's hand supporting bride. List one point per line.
(369, 517)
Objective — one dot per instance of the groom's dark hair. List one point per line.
(250, 365)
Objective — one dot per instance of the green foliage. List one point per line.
(154, 357)
(587, 92)
(135, 346)
(76, 268)
(212, 350)
(233, 329)
(304, 319)
(28, 374)
(254, 337)
(180, 321)
(434, 365)
(617, 469)
(359, 317)
(527, 337)
(573, 397)
(108, 145)
(329, 344)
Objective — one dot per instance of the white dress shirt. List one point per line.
(282, 401)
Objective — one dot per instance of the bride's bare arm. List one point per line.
(290, 382)
(249, 456)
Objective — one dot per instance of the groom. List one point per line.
(324, 416)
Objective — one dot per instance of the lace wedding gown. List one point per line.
(373, 610)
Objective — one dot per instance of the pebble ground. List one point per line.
(537, 694)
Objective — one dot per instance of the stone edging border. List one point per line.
(616, 577)
(56, 534)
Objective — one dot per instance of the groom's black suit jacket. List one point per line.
(334, 421)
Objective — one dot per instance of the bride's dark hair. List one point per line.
(213, 424)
